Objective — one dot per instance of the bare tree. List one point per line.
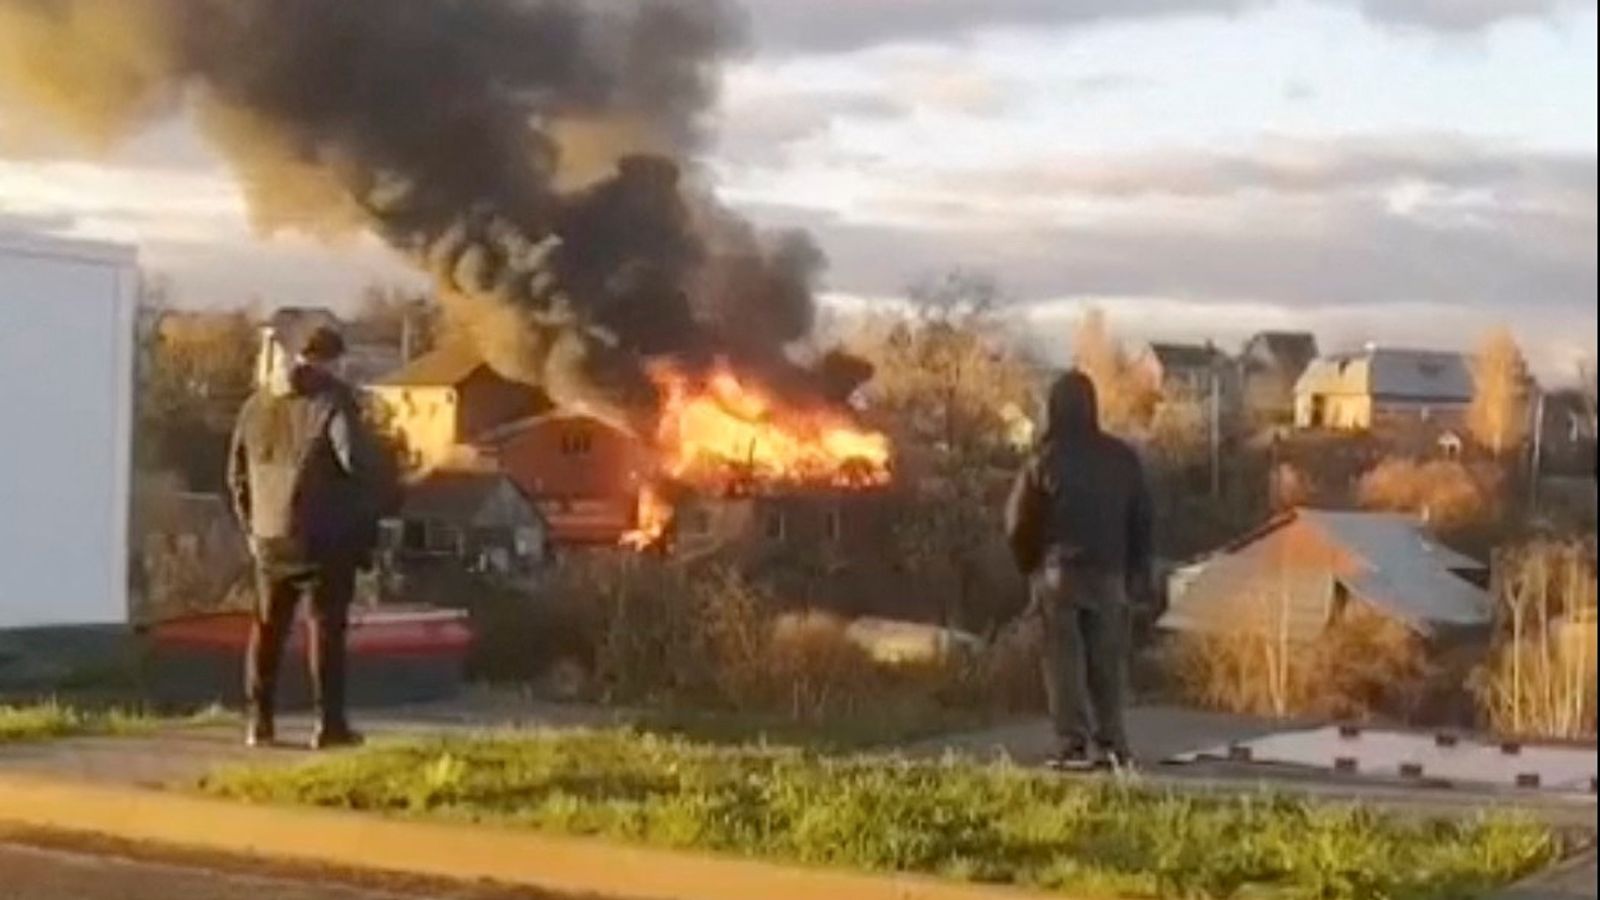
(1498, 416)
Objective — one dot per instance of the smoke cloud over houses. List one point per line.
(535, 158)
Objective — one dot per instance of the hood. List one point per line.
(1074, 409)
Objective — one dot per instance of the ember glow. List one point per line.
(727, 433)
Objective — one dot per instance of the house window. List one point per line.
(776, 526)
(577, 443)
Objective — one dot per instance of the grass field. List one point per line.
(957, 820)
(47, 721)
(50, 721)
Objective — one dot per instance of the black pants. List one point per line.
(1087, 637)
(327, 590)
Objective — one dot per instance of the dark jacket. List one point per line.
(1082, 498)
(305, 475)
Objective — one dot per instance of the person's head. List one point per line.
(321, 348)
(1074, 408)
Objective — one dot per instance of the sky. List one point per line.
(1411, 172)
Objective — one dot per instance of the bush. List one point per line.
(1362, 667)
(1448, 494)
(1540, 678)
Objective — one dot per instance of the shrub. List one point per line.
(1446, 493)
(1540, 678)
(1362, 666)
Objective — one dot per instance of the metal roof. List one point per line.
(1397, 568)
(1380, 372)
(1406, 572)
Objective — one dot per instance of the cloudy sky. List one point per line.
(1410, 171)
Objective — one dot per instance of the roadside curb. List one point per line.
(454, 851)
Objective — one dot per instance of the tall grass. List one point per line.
(1540, 678)
(1363, 666)
(663, 637)
(960, 820)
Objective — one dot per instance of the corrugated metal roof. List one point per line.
(1406, 572)
(1398, 569)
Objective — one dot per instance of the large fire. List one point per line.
(726, 431)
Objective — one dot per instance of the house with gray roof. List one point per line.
(1270, 364)
(1379, 385)
(1301, 572)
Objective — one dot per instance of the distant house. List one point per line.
(1270, 364)
(584, 474)
(364, 361)
(1306, 569)
(441, 402)
(1359, 391)
(1189, 369)
(479, 522)
(1567, 437)
(823, 548)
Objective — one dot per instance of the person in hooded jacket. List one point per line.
(307, 484)
(1079, 523)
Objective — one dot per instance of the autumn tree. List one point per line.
(956, 396)
(1129, 395)
(196, 369)
(1498, 416)
(946, 378)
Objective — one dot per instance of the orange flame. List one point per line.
(654, 518)
(724, 429)
(730, 427)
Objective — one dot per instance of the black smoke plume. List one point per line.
(467, 134)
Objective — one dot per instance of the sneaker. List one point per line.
(331, 737)
(1072, 758)
(259, 733)
(1119, 760)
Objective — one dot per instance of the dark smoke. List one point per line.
(454, 129)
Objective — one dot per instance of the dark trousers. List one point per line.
(326, 589)
(1086, 642)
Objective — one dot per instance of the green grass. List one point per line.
(890, 726)
(51, 721)
(958, 820)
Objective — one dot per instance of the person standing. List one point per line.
(1079, 523)
(304, 478)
